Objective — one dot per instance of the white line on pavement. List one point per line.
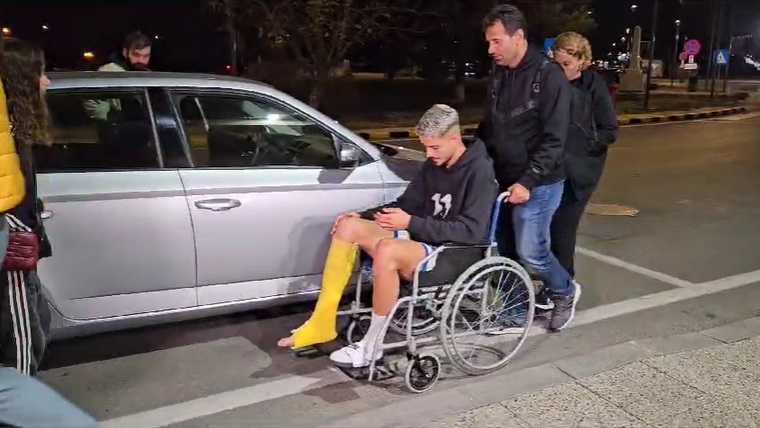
(659, 276)
(663, 298)
(217, 403)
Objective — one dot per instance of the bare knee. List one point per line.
(386, 255)
(349, 229)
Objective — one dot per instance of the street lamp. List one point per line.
(88, 55)
(675, 53)
(651, 54)
(45, 27)
(6, 31)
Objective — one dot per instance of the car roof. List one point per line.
(84, 79)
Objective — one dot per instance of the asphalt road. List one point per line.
(687, 262)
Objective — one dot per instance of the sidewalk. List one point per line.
(704, 379)
(715, 386)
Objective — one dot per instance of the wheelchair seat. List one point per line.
(450, 264)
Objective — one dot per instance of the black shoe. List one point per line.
(543, 300)
(564, 309)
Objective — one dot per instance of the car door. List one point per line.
(264, 191)
(117, 220)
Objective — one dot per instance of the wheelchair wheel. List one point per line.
(424, 320)
(470, 315)
(422, 373)
(357, 328)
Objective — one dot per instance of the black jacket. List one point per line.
(450, 204)
(526, 124)
(593, 128)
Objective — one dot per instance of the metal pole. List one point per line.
(651, 55)
(712, 42)
(717, 46)
(673, 67)
(730, 46)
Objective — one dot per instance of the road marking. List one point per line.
(228, 400)
(641, 270)
(735, 117)
(663, 298)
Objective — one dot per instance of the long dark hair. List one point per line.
(21, 67)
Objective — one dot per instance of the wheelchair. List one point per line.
(458, 292)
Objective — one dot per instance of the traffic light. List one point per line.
(228, 68)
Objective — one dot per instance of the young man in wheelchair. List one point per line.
(449, 201)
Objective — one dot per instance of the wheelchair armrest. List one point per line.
(449, 247)
(452, 246)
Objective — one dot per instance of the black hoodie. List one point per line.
(450, 205)
(593, 127)
(526, 124)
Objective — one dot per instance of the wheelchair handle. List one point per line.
(501, 199)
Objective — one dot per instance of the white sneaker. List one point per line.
(354, 355)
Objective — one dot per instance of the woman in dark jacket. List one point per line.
(24, 314)
(593, 127)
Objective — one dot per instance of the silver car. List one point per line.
(178, 196)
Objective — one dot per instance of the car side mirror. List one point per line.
(349, 156)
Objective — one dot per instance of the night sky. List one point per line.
(189, 39)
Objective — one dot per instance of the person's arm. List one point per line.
(471, 225)
(604, 115)
(485, 127)
(410, 201)
(554, 111)
(97, 109)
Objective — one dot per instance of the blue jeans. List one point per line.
(523, 234)
(26, 402)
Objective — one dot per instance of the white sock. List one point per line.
(375, 327)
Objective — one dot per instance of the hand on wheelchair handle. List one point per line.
(518, 194)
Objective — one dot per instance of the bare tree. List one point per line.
(319, 33)
(232, 12)
(548, 18)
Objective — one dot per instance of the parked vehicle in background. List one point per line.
(197, 195)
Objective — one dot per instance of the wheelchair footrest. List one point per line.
(382, 372)
(318, 351)
(308, 352)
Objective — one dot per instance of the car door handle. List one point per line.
(218, 204)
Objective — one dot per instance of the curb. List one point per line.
(423, 409)
(409, 132)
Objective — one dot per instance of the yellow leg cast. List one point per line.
(320, 328)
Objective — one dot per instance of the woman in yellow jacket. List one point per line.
(12, 184)
(24, 401)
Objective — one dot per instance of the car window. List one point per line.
(245, 131)
(98, 130)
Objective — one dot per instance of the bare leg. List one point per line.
(393, 259)
(350, 232)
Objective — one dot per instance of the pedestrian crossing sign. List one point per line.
(721, 56)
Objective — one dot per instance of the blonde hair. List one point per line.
(438, 121)
(575, 45)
